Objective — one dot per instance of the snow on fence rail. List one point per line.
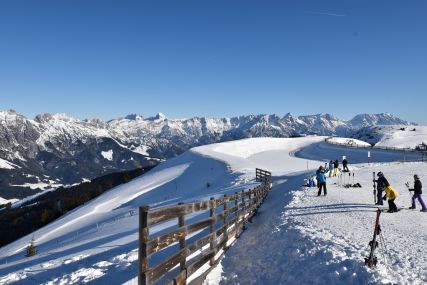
(201, 242)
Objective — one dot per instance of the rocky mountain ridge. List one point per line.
(56, 149)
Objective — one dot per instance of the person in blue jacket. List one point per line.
(321, 180)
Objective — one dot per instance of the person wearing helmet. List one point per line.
(417, 194)
(390, 193)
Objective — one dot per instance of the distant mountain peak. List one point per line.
(159, 117)
(366, 120)
(134, 117)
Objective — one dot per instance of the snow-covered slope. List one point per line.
(97, 242)
(400, 136)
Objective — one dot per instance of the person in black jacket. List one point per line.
(417, 194)
(345, 165)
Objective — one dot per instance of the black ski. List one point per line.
(372, 260)
(375, 190)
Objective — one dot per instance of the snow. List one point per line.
(347, 216)
(142, 149)
(407, 138)
(6, 201)
(347, 141)
(7, 165)
(108, 155)
(293, 231)
(39, 185)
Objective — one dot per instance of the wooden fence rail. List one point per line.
(199, 234)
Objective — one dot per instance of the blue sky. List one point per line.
(215, 58)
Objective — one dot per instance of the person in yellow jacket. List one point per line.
(390, 193)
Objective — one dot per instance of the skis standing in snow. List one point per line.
(417, 193)
(390, 193)
(321, 180)
(372, 260)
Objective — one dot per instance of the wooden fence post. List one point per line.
(181, 223)
(212, 230)
(236, 214)
(143, 239)
(243, 211)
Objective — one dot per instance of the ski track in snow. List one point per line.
(296, 238)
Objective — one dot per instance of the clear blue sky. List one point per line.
(214, 58)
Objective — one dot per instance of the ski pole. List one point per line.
(410, 194)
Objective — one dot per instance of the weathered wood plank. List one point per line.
(164, 267)
(159, 215)
(181, 278)
(199, 244)
(165, 240)
(200, 261)
(158, 243)
(221, 230)
(200, 225)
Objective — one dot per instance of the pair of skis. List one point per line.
(371, 261)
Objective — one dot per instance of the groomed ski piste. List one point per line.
(296, 238)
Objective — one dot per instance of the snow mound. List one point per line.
(348, 141)
(108, 155)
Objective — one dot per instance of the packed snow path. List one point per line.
(324, 151)
(300, 238)
(273, 252)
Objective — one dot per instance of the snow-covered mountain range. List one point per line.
(56, 149)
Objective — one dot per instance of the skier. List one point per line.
(417, 194)
(331, 168)
(345, 165)
(321, 180)
(336, 165)
(390, 193)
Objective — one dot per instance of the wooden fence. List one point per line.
(196, 235)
